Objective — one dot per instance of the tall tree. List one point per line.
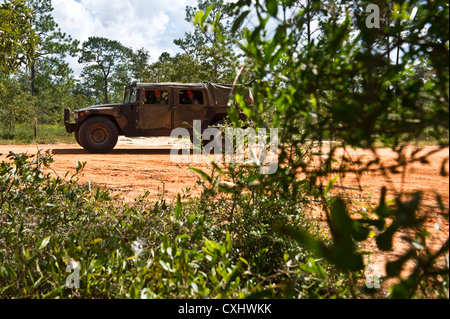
(54, 46)
(138, 64)
(312, 10)
(17, 36)
(102, 58)
(213, 44)
(182, 67)
(16, 104)
(381, 37)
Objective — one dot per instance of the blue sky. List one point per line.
(152, 24)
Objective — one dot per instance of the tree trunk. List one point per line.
(105, 77)
(106, 91)
(398, 47)
(33, 80)
(388, 48)
(308, 22)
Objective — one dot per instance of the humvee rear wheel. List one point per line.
(98, 135)
(205, 141)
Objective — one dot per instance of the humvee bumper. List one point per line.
(70, 127)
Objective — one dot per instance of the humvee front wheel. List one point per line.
(77, 137)
(98, 135)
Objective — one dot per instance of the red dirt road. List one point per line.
(132, 168)
(139, 165)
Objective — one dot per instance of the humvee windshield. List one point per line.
(130, 95)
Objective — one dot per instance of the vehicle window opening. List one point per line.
(191, 97)
(156, 97)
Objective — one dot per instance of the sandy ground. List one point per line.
(144, 164)
(135, 166)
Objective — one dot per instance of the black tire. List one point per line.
(98, 135)
(77, 137)
(218, 124)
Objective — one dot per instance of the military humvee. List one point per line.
(149, 109)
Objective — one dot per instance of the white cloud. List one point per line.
(152, 24)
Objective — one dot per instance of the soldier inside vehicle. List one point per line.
(191, 97)
(156, 97)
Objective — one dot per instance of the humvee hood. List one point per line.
(100, 106)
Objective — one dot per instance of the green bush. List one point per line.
(338, 87)
(46, 134)
(192, 248)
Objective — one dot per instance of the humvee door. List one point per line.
(190, 105)
(154, 109)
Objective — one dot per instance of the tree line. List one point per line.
(228, 42)
(37, 81)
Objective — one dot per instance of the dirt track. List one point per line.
(133, 167)
(144, 164)
(139, 165)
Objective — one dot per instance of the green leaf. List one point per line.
(302, 238)
(206, 14)
(43, 242)
(235, 272)
(341, 223)
(384, 240)
(272, 7)
(359, 232)
(382, 210)
(314, 268)
(405, 288)
(330, 184)
(239, 20)
(165, 266)
(270, 48)
(228, 187)
(217, 168)
(201, 173)
(80, 166)
(234, 116)
(178, 207)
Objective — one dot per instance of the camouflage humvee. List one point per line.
(149, 109)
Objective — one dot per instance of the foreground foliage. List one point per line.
(188, 249)
(326, 77)
(224, 244)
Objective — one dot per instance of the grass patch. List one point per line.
(46, 134)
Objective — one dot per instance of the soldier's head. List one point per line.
(190, 94)
(158, 94)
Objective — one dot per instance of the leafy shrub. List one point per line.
(340, 89)
(189, 249)
(7, 135)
